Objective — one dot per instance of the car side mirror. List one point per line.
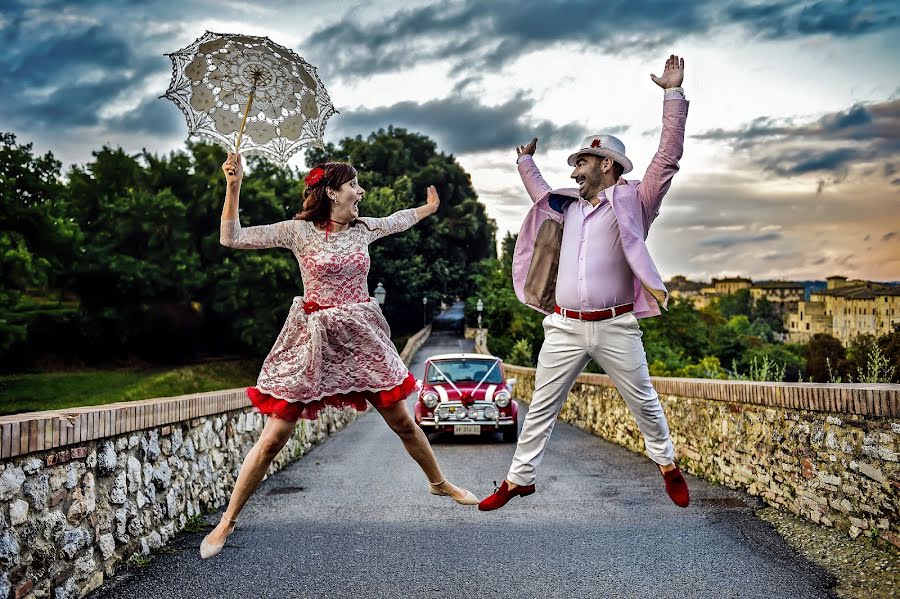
(418, 382)
(511, 381)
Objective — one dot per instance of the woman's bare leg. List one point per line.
(417, 446)
(275, 434)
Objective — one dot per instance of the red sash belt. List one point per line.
(311, 306)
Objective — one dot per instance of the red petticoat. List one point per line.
(286, 410)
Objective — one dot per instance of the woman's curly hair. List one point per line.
(316, 207)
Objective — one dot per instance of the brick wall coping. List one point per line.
(42, 431)
(878, 400)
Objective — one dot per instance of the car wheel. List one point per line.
(511, 435)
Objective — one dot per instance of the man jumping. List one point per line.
(597, 287)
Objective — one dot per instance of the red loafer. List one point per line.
(502, 495)
(676, 486)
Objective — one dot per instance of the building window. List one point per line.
(807, 326)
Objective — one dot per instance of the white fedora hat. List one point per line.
(603, 145)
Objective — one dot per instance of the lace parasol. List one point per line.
(248, 93)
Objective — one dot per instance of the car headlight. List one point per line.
(490, 412)
(473, 412)
(430, 400)
(502, 399)
(461, 414)
(444, 413)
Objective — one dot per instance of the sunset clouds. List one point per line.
(792, 157)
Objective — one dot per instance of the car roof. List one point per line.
(462, 356)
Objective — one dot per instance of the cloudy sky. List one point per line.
(792, 158)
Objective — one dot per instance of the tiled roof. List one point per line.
(778, 285)
(862, 292)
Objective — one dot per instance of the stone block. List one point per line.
(106, 459)
(890, 538)
(829, 479)
(32, 465)
(18, 512)
(118, 493)
(872, 472)
(107, 545)
(23, 589)
(9, 549)
(58, 497)
(75, 540)
(95, 582)
(11, 481)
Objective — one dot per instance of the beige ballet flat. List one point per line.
(208, 550)
(468, 499)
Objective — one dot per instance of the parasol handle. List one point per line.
(237, 146)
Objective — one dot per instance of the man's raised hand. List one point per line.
(528, 148)
(673, 73)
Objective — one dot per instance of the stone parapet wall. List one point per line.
(480, 338)
(829, 453)
(414, 343)
(84, 490)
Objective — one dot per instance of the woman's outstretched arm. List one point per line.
(252, 238)
(402, 219)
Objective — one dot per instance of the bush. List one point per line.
(762, 370)
(520, 354)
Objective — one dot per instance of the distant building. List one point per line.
(783, 295)
(679, 286)
(845, 309)
(701, 294)
(730, 285)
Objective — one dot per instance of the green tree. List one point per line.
(736, 304)
(676, 337)
(825, 358)
(764, 310)
(37, 242)
(890, 347)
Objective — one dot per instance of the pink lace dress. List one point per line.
(335, 348)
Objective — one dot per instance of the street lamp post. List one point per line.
(479, 306)
(424, 312)
(380, 294)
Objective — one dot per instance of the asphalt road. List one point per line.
(354, 519)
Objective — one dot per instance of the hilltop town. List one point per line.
(842, 308)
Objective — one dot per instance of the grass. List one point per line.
(196, 523)
(59, 390)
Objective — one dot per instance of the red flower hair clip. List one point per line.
(314, 176)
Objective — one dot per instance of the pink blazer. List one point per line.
(635, 204)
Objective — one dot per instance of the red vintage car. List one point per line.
(467, 394)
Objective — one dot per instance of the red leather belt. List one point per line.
(595, 314)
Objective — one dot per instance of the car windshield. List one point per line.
(464, 370)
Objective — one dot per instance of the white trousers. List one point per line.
(569, 344)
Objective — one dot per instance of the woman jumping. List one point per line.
(335, 348)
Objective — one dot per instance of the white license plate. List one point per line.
(466, 429)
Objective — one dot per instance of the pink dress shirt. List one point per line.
(593, 271)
